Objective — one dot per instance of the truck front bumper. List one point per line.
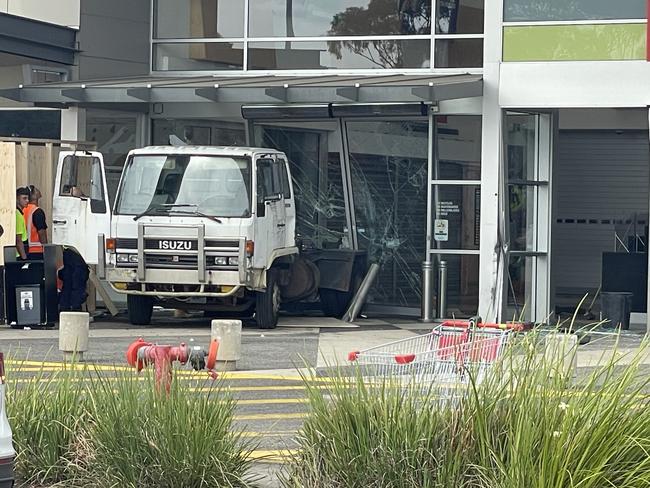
(174, 282)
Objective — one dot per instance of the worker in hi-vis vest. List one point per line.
(36, 224)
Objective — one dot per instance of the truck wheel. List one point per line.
(267, 304)
(140, 309)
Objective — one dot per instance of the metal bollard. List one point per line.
(73, 334)
(442, 290)
(426, 314)
(228, 333)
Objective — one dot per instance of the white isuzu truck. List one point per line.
(199, 228)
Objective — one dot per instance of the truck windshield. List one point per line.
(217, 185)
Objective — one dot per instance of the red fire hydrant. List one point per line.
(140, 354)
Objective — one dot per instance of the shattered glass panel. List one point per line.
(388, 165)
(314, 159)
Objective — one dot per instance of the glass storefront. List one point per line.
(388, 165)
(281, 18)
(215, 35)
(564, 10)
(527, 141)
(192, 19)
(352, 54)
(202, 132)
(198, 56)
(366, 188)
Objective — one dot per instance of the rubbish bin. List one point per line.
(30, 292)
(615, 307)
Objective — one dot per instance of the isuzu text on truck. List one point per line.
(198, 228)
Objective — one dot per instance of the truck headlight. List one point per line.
(133, 258)
(122, 258)
(221, 261)
(233, 261)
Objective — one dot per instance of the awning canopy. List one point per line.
(396, 88)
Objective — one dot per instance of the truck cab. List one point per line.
(193, 227)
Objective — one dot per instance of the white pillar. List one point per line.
(73, 334)
(73, 124)
(489, 294)
(228, 333)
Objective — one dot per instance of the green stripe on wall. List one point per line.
(598, 42)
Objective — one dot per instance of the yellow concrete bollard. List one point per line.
(228, 333)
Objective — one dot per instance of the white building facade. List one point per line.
(505, 138)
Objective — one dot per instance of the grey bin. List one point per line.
(615, 307)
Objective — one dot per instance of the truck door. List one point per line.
(289, 203)
(80, 210)
(270, 219)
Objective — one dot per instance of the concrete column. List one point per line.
(73, 124)
(490, 295)
(228, 333)
(73, 334)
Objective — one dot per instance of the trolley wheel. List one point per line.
(140, 309)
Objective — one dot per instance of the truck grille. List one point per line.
(154, 261)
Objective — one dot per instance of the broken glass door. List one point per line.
(315, 160)
(388, 171)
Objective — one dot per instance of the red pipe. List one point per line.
(140, 354)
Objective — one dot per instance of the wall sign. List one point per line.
(441, 230)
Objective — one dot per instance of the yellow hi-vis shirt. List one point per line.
(21, 230)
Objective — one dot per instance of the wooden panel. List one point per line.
(39, 162)
(7, 195)
(22, 169)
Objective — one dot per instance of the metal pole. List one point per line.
(356, 305)
(442, 290)
(427, 292)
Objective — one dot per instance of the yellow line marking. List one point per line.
(272, 456)
(47, 366)
(271, 416)
(225, 388)
(279, 433)
(272, 401)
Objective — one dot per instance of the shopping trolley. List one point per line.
(449, 355)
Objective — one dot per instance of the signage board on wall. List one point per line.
(441, 230)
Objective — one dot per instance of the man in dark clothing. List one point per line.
(74, 276)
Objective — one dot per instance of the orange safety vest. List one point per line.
(35, 245)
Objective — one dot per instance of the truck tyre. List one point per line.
(140, 309)
(267, 303)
